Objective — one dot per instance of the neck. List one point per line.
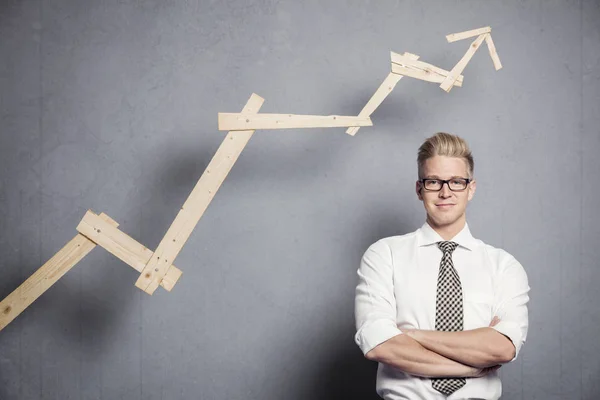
(447, 232)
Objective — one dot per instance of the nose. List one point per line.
(445, 191)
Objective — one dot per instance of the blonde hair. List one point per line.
(444, 144)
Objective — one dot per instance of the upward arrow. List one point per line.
(482, 34)
(454, 37)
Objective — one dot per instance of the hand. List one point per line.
(495, 321)
(480, 372)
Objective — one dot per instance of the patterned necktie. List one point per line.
(448, 310)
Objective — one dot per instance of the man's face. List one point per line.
(445, 207)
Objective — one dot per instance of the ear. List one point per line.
(418, 188)
(472, 188)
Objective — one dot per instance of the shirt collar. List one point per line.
(427, 236)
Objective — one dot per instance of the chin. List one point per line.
(445, 219)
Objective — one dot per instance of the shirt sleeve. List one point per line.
(512, 296)
(375, 303)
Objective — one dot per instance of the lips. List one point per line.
(444, 205)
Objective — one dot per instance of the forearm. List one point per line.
(406, 354)
(481, 348)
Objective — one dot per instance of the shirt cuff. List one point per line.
(513, 332)
(376, 333)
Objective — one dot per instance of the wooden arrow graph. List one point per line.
(156, 267)
(409, 65)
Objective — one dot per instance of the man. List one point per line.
(438, 309)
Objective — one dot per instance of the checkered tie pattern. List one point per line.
(448, 310)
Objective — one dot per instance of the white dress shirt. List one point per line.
(397, 289)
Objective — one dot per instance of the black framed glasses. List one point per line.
(454, 184)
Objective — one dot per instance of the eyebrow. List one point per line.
(437, 177)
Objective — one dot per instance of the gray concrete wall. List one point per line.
(112, 106)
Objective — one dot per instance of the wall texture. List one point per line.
(112, 106)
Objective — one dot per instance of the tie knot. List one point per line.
(447, 247)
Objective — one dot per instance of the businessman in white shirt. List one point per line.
(439, 310)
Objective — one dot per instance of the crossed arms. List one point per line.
(430, 354)
(469, 353)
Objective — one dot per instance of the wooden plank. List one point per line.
(386, 87)
(381, 93)
(171, 277)
(420, 65)
(493, 52)
(197, 202)
(460, 66)
(46, 276)
(242, 121)
(453, 37)
(428, 76)
(409, 55)
(122, 246)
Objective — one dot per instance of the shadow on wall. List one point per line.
(104, 303)
(10, 275)
(10, 335)
(346, 374)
